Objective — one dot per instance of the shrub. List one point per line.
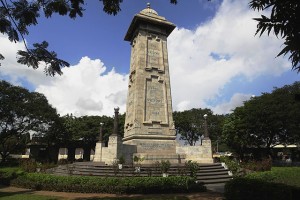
(28, 165)
(232, 165)
(8, 174)
(260, 165)
(192, 167)
(165, 166)
(108, 185)
(285, 175)
(245, 188)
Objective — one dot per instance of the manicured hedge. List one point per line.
(251, 189)
(90, 184)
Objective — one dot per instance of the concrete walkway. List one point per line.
(217, 187)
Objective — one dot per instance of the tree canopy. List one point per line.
(22, 113)
(190, 124)
(284, 22)
(265, 121)
(87, 128)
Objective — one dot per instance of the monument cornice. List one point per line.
(142, 19)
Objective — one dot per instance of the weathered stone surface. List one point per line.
(149, 122)
(149, 131)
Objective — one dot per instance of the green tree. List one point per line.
(284, 22)
(190, 124)
(86, 128)
(21, 113)
(265, 121)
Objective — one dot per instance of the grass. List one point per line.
(19, 196)
(11, 169)
(285, 175)
(30, 196)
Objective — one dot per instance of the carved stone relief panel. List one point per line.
(155, 100)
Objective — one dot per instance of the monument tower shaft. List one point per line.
(149, 120)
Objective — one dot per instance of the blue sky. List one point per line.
(215, 60)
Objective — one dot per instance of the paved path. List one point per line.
(218, 187)
(80, 196)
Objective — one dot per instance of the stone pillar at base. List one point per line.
(98, 152)
(114, 150)
(207, 151)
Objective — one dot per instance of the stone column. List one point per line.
(206, 134)
(116, 122)
(99, 146)
(101, 133)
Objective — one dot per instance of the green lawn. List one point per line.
(285, 175)
(22, 196)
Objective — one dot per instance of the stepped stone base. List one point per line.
(207, 173)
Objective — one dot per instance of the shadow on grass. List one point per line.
(136, 198)
(23, 195)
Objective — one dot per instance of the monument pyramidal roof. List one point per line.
(148, 15)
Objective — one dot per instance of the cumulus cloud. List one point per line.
(15, 71)
(236, 100)
(204, 60)
(85, 89)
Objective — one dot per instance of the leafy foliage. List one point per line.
(22, 112)
(86, 128)
(285, 175)
(232, 165)
(33, 57)
(280, 183)
(246, 189)
(192, 167)
(190, 124)
(284, 21)
(258, 165)
(265, 121)
(16, 16)
(8, 174)
(108, 185)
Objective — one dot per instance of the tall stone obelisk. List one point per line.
(149, 122)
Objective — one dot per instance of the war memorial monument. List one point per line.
(149, 130)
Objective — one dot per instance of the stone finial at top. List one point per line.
(149, 10)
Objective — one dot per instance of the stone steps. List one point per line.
(208, 173)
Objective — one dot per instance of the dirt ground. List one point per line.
(72, 196)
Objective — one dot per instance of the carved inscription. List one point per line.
(153, 146)
(155, 100)
(154, 54)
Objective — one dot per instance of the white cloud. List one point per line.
(17, 72)
(203, 60)
(84, 89)
(235, 101)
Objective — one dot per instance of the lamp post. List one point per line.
(101, 133)
(206, 136)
